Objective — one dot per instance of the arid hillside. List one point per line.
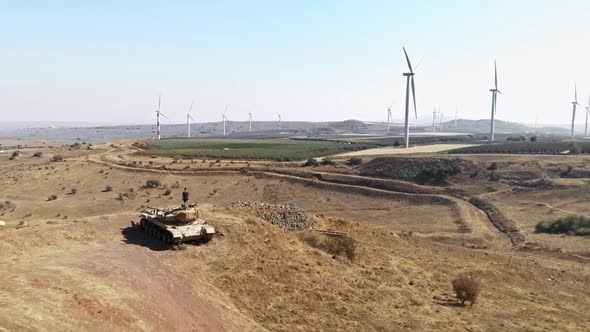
(73, 257)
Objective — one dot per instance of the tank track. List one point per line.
(157, 232)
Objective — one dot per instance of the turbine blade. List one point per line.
(226, 106)
(162, 114)
(414, 97)
(495, 75)
(190, 107)
(159, 101)
(408, 60)
(575, 93)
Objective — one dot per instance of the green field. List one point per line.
(253, 149)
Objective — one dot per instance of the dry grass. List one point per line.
(333, 244)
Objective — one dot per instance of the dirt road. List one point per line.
(111, 282)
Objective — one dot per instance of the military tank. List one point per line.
(176, 225)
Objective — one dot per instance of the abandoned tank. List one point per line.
(176, 225)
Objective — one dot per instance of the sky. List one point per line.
(108, 61)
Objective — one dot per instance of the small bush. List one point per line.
(311, 162)
(396, 143)
(15, 153)
(37, 154)
(576, 225)
(108, 189)
(152, 183)
(533, 138)
(328, 161)
(354, 161)
(167, 192)
(466, 288)
(493, 166)
(74, 191)
(7, 205)
(335, 245)
(52, 197)
(567, 171)
(56, 158)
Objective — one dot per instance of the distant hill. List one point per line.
(261, 129)
(502, 127)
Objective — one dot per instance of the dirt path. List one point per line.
(100, 286)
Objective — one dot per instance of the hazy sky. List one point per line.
(309, 60)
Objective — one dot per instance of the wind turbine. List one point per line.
(158, 114)
(409, 80)
(495, 92)
(574, 104)
(440, 120)
(279, 121)
(389, 117)
(250, 121)
(587, 111)
(224, 118)
(188, 121)
(434, 119)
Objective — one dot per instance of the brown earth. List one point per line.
(77, 263)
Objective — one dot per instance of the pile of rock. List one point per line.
(288, 216)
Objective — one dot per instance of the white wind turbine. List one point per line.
(389, 117)
(250, 122)
(409, 81)
(188, 121)
(587, 111)
(279, 121)
(574, 104)
(495, 92)
(434, 119)
(158, 114)
(224, 118)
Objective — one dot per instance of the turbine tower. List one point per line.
(495, 92)
(389, 118)
(250, 122)
(409, 81)
(574, 104)
(587, 111)
(158, 114)
(188, 121)
(224, 118)
(434, 119)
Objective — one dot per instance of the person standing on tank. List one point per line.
(185, 197)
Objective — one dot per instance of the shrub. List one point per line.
(108, 189)
(152, 183)
(73, 191)
(396, 143)
(328, 161)
(466, 288)
(354, 161)
(168, 192)
(493, 166)
(311, 162)
(52, 197)
(37, 154)
(567, 171)
(533, 138)
(15, 153)
(335, 245)
(577, 225)
(56, 158)
(7, 205)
